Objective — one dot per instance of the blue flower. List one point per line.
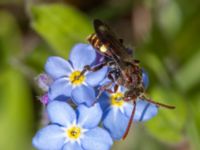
(73, 130)
(145, 78)
(67, 79)
(117, 112)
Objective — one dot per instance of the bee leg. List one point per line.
(88, 68)
(97, 67)
(130, 120)
(102, 89)
(106, 88)
(157, 103)
(116, 88)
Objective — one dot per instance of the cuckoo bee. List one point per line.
(125, 70)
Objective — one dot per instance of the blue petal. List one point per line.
(61, 113)
(145, 78)
(128, 108)
(144, 110)
(50, 137)
(105, 81)
(83, 94)
(89, 117)
(72, 146)
(104, 101)
(57, 67)
(97, 139)
(81, 55)
(60, 87)
(94, 78)
(116, 123)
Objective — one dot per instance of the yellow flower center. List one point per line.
(74, 132)
(117, 99)
(76, 78)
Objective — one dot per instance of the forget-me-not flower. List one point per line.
(117, 112)
(73, 130)
(68, 81)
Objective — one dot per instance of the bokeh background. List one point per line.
(165, 36)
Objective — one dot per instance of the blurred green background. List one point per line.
(165, 35)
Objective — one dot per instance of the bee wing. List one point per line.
(108, 37)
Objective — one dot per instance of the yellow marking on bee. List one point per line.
(96, 42)
(103, 49)
(91, 37)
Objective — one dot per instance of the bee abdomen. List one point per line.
(94, 41)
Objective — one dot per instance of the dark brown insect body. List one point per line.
(129, 72)
(125, 70)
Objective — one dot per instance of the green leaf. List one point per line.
(107, 12)
(187, 40)
(189, 74)
(61, 26)
(154, 63)
(136, 138)
(194, 135)
(15, 111)
(10, 40)
(193, 127)
(36, 59)
(167, 126)
(169, 18)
